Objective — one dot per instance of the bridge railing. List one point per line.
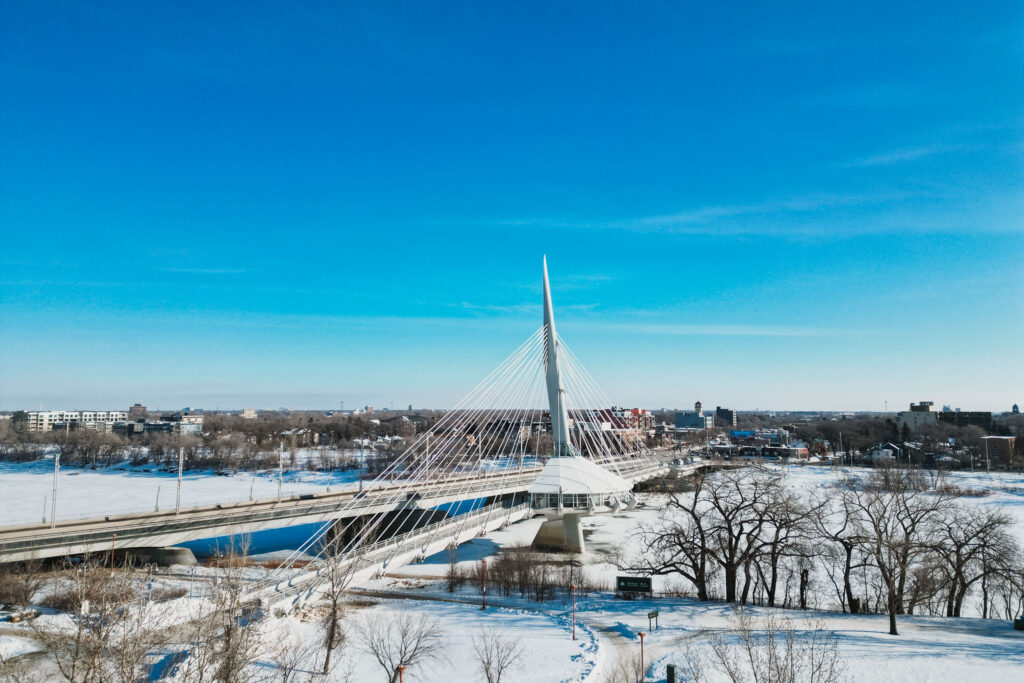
(371, 554)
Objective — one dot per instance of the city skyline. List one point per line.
(799, 208)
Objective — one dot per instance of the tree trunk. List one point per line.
(730, 583)
(746, 583)
(773, 582)
(805, 580)
(892, 615)
(701, 584)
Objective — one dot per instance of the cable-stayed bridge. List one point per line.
(536, 436)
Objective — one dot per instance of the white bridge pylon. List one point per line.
(569, 480)
(540, 407)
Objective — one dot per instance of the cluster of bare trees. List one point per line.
(770, 650)
(766, 650)
(112, 627)
(522, 571)
(894, 542)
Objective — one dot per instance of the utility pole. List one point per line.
(53, 503)
(280, 471)
(181, 466)
(988, 465)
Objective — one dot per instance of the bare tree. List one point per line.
(19, 583)
(497, 655)
(336, 571)
(223, 640)
(773, 652)
(725, 526)
(629, 669)
(783, 538)
(110, 631)
(894, 514)
(401, 640)
(678, 545)
(835, 524)
(292, 661)
(968, 543)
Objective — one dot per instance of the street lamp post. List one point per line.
(53, 503)
(574, 611)
(483, 586)
(642, 668)
(181, 466)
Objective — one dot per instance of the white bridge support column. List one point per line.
(564, 534)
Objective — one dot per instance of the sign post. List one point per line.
(652, 616)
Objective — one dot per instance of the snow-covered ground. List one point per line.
(549, 653)
(26, 489)
(927, 649)
(15, 646)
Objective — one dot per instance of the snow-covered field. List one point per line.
(927, 649)
(26, 489)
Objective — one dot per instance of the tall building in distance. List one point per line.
(724, 417)
(695, 419)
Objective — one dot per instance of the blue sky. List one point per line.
(812, 205)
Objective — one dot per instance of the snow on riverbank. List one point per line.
(26, 488)
(13, 646)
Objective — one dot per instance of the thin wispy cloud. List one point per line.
(713, 330)
(779, 216)
(204, 271)
(821, 215)
(910, 154)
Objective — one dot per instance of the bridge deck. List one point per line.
(161, 529)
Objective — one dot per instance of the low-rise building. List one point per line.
(886, 452)
(959, 418)
(695, 419)
(924, 413)
(45, 420)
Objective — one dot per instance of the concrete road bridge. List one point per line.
(163, 529)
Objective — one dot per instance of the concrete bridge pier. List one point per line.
(564, 534)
